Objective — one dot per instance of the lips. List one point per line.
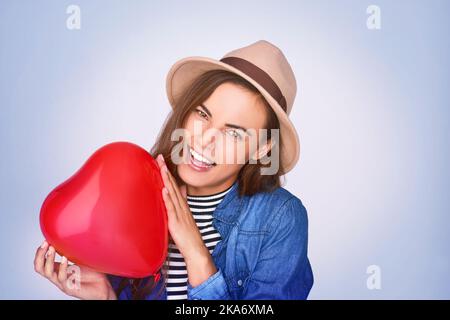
(197, 163)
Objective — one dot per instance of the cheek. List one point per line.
(235, 153)
(189, 123)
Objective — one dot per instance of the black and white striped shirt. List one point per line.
(202, 208)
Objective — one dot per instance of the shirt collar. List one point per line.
(229, 208)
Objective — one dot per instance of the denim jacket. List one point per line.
(263, 251)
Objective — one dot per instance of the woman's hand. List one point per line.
(88, 284)
(183, 229)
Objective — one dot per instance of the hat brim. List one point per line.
(183, 73)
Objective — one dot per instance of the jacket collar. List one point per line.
(229, 208)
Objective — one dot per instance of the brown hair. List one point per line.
(250, 181)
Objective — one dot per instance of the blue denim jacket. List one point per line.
(263, 251)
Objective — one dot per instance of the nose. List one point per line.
(205, 140)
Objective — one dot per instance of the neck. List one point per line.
(208, 190)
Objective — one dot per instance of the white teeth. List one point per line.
(199, 157)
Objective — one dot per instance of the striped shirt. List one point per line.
(202, 208)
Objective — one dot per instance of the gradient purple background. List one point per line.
(372, 112)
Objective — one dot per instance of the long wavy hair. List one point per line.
(250, 181)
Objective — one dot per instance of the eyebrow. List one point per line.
(227, 124)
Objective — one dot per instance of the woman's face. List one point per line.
(224, 131)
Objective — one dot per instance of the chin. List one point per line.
(192, 178)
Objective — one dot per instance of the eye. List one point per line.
(201, 113)
(235, 134)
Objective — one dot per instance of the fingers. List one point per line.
(170, 188)
(50, 266)
(179, 197)
(44, 263)
(171, 211)
(39, 258)
(164, 174)
(49, 262)
(62, 272)
(160, 161)
(176, 197)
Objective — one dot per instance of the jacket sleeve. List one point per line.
(157, 293)
(213, 288)
(115, 281)
(283, 270)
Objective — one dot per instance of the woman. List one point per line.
(235, 232)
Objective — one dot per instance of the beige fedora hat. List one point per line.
(263, 65)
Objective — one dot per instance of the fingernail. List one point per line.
(165, 190)
(63, 259)
(162, 158)
(51, 250)
(165, 169)
(44, 244)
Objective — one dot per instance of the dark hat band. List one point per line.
(260, 76)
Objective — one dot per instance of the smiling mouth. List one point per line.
(199, 161)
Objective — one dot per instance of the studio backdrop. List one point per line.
(372, 112)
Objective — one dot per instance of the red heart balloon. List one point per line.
(110, 214)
